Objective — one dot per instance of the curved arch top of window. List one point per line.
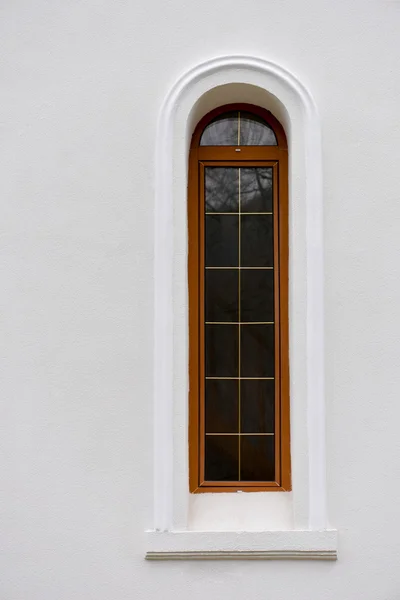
(238, 128)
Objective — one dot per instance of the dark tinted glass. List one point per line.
(222, 350)
(257, 404)
(254, 131)
(257, 295)
(222, 241)
(257, 350)
(241, 190)
(256, 189)
(222, 295)
(222, 131)
(222, 406)
(222, 458)
(257, 458)
(222, 189)
(257, 248)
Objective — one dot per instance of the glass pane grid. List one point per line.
(243, 354)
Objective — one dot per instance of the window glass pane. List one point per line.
(257, 406)
(222, 458)
(222, 249)
(256, 189)
(222, 405)
(222, 189)
(222, 350)
(257, 295)
(254, 131)
(222, 298)
(239, 397)
(222, 131)
(257, 351)
(257, 246)
(257, 458)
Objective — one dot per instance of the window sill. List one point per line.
(265, 545)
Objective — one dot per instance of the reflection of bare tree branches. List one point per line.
(226, 131)
(222, 131)
(222, 297)
(222, 189)
(254, 131)
(256, 189)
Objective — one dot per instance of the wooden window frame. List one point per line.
(277, 158)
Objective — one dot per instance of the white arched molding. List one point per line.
(183, 106)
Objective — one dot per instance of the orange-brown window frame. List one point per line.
(277, 158)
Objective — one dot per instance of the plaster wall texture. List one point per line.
(82, 85)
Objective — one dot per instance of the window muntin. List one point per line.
(239, 428)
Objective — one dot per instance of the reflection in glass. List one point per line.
(222, 406)
(222, 131)
(256, 189)
(222, 241)
(222, 189)
(257, 458)
(222, 347)
(257, 295)
(221, 458)
(222, 295)
(245, 296)
(238, 128)
(257, 245)
(257, 350)
(254, 131)
(257, 406)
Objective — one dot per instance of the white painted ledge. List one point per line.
(265, 545)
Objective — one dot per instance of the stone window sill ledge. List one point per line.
(265, 545)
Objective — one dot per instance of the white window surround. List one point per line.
(202, 88)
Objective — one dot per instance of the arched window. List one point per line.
(238, 303)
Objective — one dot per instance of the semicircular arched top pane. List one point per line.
(238, 128)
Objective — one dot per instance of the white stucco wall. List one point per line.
(82, 85)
